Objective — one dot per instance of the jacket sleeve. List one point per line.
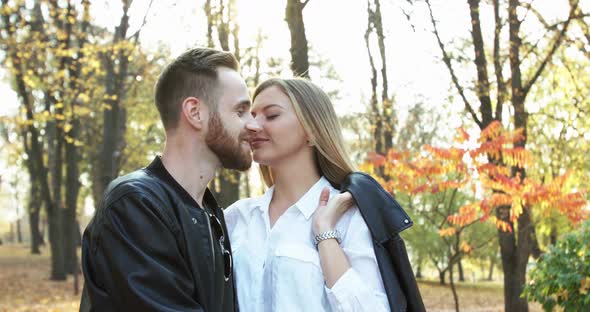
(360, 288)
(133, 261)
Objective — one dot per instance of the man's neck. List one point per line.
(193, 167)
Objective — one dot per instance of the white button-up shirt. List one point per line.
(278, 268)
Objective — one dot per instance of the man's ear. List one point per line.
(194, 111)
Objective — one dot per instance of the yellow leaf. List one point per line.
(584, 286)
(59, 105)
(84, 98)
(67, 127)
(465, 247)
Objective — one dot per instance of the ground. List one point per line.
(24, 286)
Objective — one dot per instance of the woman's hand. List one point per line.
(329, 212)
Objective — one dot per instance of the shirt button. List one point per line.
(406, 221)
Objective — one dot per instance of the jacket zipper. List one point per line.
(210, 237)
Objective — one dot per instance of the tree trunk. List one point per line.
(114, 115)
(553, 235)
(461, 274)
(19, 234)
(299, 50)
(491, 271)
(419, 271)
(375, 111)
(453, 289)
(56, 242)
(34, 205)
(34, 228)
(515, 248)
(441, 277)
(382, 116)
(229, 187)
(210, 21)
(72, 191)
(388, 114)
(228, 180)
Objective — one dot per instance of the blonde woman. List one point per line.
(290, 254)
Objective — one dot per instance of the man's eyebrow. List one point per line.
(242, 103)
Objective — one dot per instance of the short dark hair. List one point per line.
(193, 73)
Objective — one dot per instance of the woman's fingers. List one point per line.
(324, 196)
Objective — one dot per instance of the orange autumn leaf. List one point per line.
(447, 232)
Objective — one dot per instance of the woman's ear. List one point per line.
(192, 110)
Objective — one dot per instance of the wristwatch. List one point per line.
(327, 235)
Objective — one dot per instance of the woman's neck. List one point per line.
(293, 178)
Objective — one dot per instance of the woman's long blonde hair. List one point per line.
(318, 118)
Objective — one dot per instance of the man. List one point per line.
(158, 241)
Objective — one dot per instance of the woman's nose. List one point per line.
(253, 125)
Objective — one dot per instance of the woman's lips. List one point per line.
(255, 143)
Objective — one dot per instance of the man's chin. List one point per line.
(242, 165)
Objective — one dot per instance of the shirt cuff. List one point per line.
(345, 289)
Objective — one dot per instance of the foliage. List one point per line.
(487, 165)
(562, 276)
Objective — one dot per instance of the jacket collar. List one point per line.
(156, 167)
(382, 213)
(306, 205)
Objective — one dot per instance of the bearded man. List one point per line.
(158, 241)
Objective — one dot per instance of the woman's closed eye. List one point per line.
(271, 117)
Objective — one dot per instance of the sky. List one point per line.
(335, 30)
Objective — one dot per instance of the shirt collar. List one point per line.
(307, 204)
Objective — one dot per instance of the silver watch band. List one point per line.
(327, 235)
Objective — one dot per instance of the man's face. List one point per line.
(230, 127)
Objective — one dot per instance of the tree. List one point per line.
(44, 54)
(299, 47)
(381, 107)
(440, 170)
(223, 20)
(515, 246)
(54, 54)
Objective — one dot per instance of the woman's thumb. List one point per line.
(324, 196)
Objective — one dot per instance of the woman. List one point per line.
(287, 255)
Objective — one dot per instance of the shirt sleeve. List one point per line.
(351, 292)
(136, 249)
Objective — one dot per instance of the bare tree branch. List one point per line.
(447, 61)
(482, 83)
(135, 35)
(502, 92)
(554, 47)
(303, 4)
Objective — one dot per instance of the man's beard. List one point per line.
(228, 149)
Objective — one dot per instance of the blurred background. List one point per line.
(473, 114)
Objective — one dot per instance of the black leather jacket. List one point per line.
(386, 219)
(150, 247)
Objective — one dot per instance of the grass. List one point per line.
(25, 286)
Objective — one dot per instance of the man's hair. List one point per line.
(193, 73)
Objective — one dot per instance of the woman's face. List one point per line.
(282, 136)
